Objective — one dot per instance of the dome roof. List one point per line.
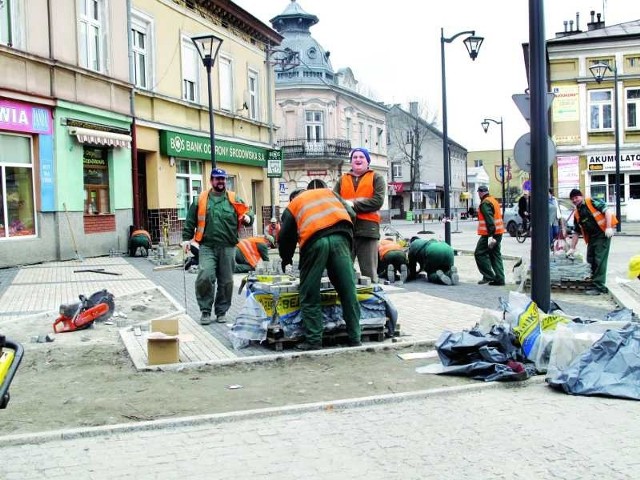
(314, 67)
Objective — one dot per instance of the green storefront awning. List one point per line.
(175, 144)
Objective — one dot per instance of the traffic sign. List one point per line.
(522, 101)
(522, 152)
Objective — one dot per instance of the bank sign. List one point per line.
(607, 161)
(182, 145)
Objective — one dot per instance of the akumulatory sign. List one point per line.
(182, 145)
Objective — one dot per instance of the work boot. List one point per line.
(404, 273)
(496, 283)
(354, 343)
(221, 318)
(483, 281)
(305, 346)
(391, 274)
(205, 318)
(443, 278)
(455, 278)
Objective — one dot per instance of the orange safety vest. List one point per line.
(240, 208)
(315, 210)
(249, 248)
(387, 246)
(497, 218)
(365, 190)
(598, 216)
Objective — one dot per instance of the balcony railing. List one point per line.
(295, 148)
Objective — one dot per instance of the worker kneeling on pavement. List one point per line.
(435, 258)
(139, 239)
(322, 223)
(249, 252)
(392, 260)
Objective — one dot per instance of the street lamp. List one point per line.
(598, 70)
(208, 47)
(485, 127)
(473, 47)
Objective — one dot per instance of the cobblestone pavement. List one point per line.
(510, 432)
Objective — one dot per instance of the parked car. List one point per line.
(511, 218)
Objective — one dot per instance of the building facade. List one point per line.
(319, 113)
(585, 113)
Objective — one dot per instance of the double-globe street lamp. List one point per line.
(485, 127)
(473, 47)
(598, 70)
(208, 47)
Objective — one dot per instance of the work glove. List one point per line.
(492, 242)
(349, 202)
(186, 246)
(608, 232)
(571, 252)
(246, 219)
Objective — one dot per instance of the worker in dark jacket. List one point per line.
(435, 258)
(322, 223)
(488, 252)
(596, 223)
(392, 260)
(249, 252)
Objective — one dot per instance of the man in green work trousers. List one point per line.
(213, 222)
(490, 228)
(435, 258)
(596, 222)
(322, 223)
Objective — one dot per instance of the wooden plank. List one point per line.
(418, 355)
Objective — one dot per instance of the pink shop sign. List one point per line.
(24, 117)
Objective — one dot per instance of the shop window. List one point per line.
(633, 107)
(188, 184)
(634, 187)
(96, 181)
(603, 187)
(17, 199)
(600, 105)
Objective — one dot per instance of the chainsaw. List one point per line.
(81, 315)
(10, 358)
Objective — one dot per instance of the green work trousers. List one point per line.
(216, 265)
(489, 260)
(393, 257)
(332, 252)
(597, 257)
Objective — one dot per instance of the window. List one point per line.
(188, 184)
(226, 84)
(361, 134)
(600, 104)
(253, 95)
(190, 65)
(603, 187)
(314, 125)
(349, 129)
(369, 135)
(96, 180)
(634, 186)
(17, 197)
(141, 41)
(91, 27)
(633, 107)
(11, 19)
(396, 171)
(477, 163)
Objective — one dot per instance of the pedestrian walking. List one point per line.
(488, 252)
(556, 222)
(435, 258)
(365, 191)
(273, 232)
(596, 222)
(213, 221)
(249, 252)
(322, 223)
(392, 261)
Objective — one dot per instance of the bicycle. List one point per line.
(523, 231)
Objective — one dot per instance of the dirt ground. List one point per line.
(86, 378)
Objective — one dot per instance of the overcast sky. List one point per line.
(394, 49)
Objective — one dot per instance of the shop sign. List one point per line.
(316, 173)
(24, 117)
(182, 145)
(607, 161)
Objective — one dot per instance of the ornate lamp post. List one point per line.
(208, 47)
(598, 70)
(485, 127)
(473, 47)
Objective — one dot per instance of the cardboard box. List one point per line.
(163, 349)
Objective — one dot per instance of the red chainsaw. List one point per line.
(81, 315)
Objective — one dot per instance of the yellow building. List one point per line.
(491, 161)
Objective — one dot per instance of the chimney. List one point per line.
(577, 21)
(413, 108)
(597, 24)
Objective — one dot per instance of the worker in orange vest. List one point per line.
(392, 261)
(249, 252)
(488, 253)
(273, 232)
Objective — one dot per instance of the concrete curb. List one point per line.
(219, 418)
